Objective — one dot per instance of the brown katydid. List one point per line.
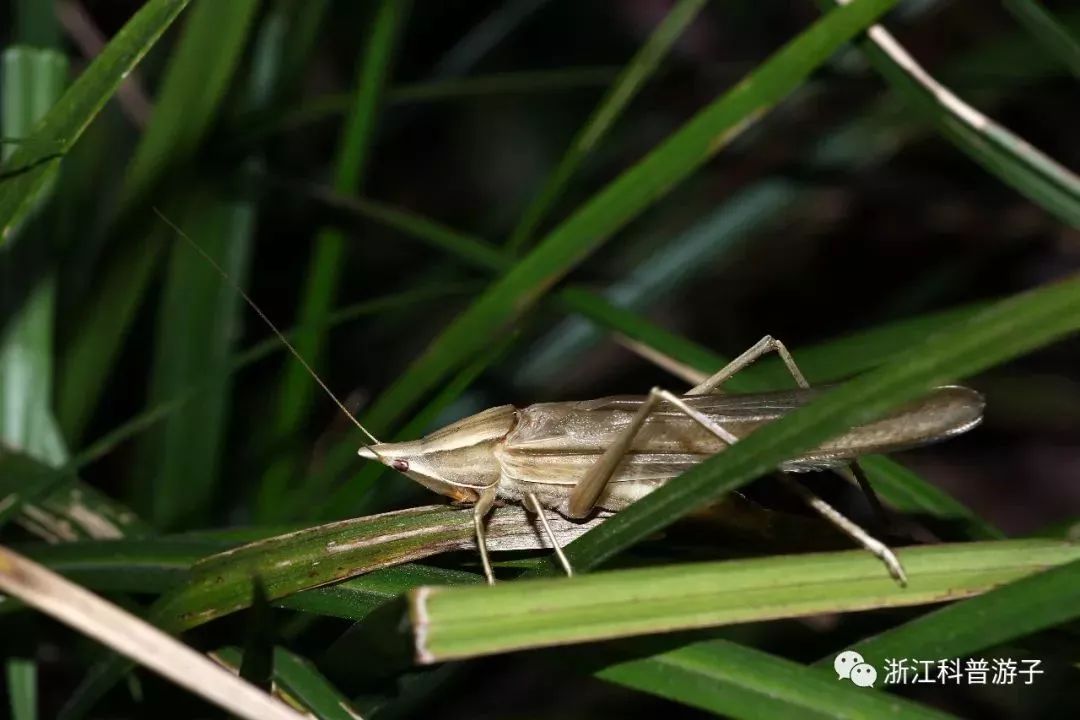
(574, 458)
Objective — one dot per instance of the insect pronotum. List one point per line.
(573, 458)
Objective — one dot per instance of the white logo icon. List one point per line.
(845, 661)
(849, 665)
(864, 675)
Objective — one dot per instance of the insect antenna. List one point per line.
(280, 335)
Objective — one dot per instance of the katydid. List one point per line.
(575, 458)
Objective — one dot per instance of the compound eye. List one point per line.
(400, 465)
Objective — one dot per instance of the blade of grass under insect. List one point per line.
(1016, 162)
(637, 72)
(107, 623)
(199, 72)
(325, 267)
(1022, 607)
(622, 200)
(1047, 31)
(464, 622)
(1005, 330)
(67, 120)
(329, 553)
(735, 681)
(22, 688)
(302, 683)
(314, 557)
(159, 565)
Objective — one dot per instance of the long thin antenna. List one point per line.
(281, 336)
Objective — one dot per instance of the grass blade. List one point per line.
(1005, 330)
(136, 638)
(324, 270)
(463, 622)
(22, 688)
(1016, 162)
(199, 72)
(32, 80)
(197, 326)
(318, 556)
(298, 681)
(1022, 607)
(67, 120)
(1049, 33)
(572, 241)
(329, 553)
(735, 681)
(160, 565)
(633, 77)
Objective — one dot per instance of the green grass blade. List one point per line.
(54, 506)
(297, 677)
(67, 120)
(22, 692)
(196, 80)
(196, 328)
(200, 70)
(325, 267)
(1048, 31)
(32, 80)
(161, 564)
(622, 200)
(325, 107)
(735, 681)
(310, 558)
(910, 494)
(463, 622)
(1016, 162)
(1022, 607)
(673, 263)
(637, 72)
(1005, 330)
